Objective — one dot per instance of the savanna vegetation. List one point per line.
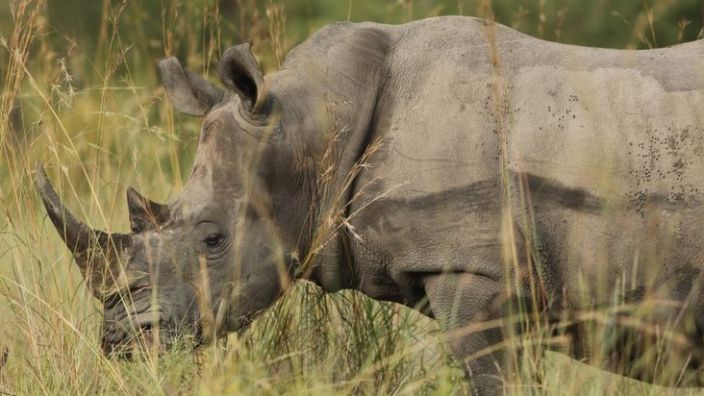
(80, 94)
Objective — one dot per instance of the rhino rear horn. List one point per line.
(144, 213)
(97, 253)
(189, 93)
(239, 71)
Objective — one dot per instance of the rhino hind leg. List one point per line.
(463, 304)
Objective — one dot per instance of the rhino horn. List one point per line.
(96, 252)
(144, 213)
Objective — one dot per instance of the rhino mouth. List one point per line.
(125, 347)
(157, 338)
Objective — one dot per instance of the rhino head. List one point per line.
(220, 251)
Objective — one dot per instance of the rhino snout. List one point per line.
(141, 331)
(149, 331)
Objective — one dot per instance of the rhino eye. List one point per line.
(210, 239)
(213, 241)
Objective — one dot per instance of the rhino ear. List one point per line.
(144, 213)
(239, 71)
(189, 93)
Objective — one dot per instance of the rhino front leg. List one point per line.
(464, 304)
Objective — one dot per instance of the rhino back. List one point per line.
(607, 142)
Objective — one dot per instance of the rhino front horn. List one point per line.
(96, 252)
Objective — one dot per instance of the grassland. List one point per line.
(80, 94)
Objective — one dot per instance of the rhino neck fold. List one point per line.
(330, 106)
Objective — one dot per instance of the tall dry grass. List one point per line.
(99, 122)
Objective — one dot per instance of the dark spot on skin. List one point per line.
(684, 135)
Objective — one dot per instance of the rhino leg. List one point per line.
(464, 305)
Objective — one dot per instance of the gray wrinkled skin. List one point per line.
(602, 153)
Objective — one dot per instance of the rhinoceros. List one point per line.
(452, 164)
